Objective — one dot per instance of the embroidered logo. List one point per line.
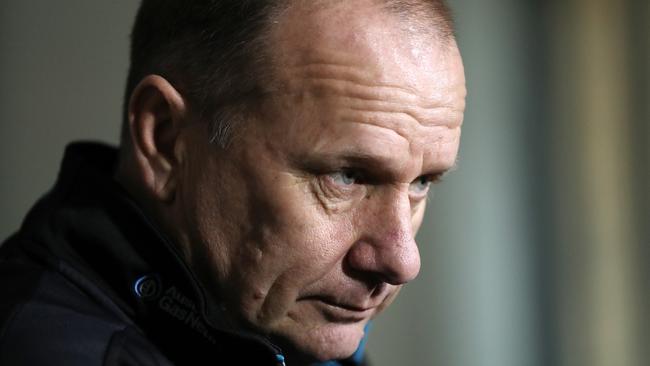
(173, 302)
(147, 287)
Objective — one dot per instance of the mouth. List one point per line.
(338, 312)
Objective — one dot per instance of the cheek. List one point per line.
(295, 244)
(303, 241)
(214, 217)
(300, 226)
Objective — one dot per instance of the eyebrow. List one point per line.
(444, 172)
(354, 158)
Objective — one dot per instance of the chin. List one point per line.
(325, 342)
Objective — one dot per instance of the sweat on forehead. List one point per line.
(425, 17)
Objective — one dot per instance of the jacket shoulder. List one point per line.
(46, 319)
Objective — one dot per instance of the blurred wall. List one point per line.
(534, 251)
(598, 161)
(62, 71)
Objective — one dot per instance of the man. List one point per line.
(273, 171)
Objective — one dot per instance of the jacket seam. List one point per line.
(110, 345)
(122, 334)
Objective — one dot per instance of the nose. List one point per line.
(386, 247)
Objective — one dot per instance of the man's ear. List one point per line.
(156, 115)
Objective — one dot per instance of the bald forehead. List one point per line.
(357, 34)
(349, 23)
(430, 17)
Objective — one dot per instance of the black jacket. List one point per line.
(88, 280)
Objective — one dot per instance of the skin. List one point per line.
(304, 228)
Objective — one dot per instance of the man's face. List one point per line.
(304, 227)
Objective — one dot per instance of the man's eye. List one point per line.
(420, 185)
(344, 178)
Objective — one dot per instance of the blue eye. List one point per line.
(344, 178)
(420, 185)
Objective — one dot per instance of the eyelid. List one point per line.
(430, 179)
(360, 176)
(414, 186)
(342, 175)
(337, 191)
(439, 177)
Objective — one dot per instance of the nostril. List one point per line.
(378, 290)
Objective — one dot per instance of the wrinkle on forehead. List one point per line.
(386, 99)
(389, 63)
(357, 96)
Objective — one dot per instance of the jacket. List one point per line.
(89, 280)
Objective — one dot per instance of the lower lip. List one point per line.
(338, 314)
